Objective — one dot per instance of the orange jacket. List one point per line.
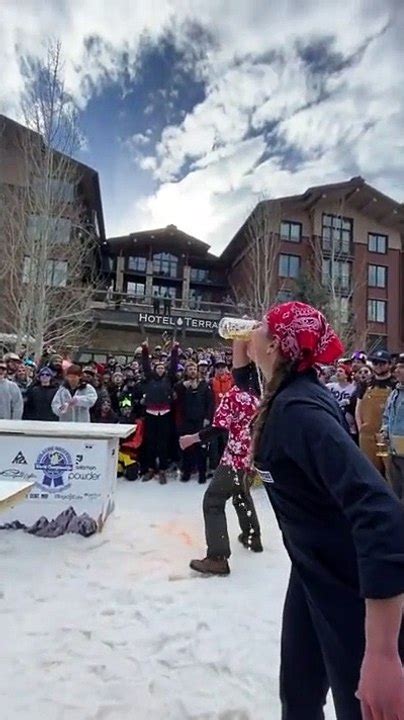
(221, 384)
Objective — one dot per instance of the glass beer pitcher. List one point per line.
(231, 328)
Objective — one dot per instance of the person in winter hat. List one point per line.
(38, 402)
(11, 401)
(74, 398)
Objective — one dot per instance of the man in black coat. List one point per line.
(194, 400)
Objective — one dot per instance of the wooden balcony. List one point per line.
(131, 311)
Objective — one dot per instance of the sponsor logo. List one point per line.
(83, 475)
(54, 462)
(19, 459)
(15, 474)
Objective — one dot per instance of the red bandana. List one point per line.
(304, 334)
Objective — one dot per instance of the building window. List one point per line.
(284, 296)
(337, 233)
(337, 274)
(55, 272)
(164, 291)
(135, 288)
(344, 310)
(165, 264)
(376, 342)
(289, 266)
(377, 311)
(137, 263)
(200, 275)
(55, 230)
(291, 231)
(52, 189)
(377, 276)
(377, 243)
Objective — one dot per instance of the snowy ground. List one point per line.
(117, 628)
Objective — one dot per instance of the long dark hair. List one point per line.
(284, 370)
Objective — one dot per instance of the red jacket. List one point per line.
(221, 384)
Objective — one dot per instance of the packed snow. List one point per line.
(116, 627)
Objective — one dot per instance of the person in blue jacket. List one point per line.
(342, 527)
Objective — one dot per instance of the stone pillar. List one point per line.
(186, 275)
(149, 282)
(120, 266)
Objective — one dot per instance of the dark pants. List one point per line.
(396, 475)
(156, 306)
(158, 428)
(194, 456)
(227, 483)
(216, 450)
(315, 656)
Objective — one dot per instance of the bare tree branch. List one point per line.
(48, 262)
(256, 283)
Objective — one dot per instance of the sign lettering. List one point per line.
(177, 322)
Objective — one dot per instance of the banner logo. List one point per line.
(19, 459)
(54, 462)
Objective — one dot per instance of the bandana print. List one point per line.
(304, 334)
(235, 413)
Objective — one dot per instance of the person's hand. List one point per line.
(73, 402)
(381, 687)
(64, 408)
(145, 344)
(186, 441)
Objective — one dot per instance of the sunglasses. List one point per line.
(380, 362)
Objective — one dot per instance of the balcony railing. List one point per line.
(124, 302)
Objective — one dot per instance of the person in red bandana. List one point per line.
(341, 524)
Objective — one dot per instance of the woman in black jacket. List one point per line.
(157, 401)
(342, 528)
(38, 401)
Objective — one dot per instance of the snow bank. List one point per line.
(117, 628)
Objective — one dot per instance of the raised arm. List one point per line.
(172, 370)
(146, 365)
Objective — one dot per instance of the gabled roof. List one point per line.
(168, 236)
(356, 192)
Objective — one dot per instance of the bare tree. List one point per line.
(49, 240)
(255, 280)
(329, 283)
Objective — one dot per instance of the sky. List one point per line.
(194, 110)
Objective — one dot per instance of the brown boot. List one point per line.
(162, 478)
(211, 566)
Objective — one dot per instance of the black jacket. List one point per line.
(38, 403)
(342, 525)
(158, 391)
(194, 405)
